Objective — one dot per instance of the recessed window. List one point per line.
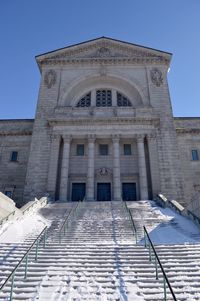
(103, 98)
(195, 155)
(80, 150)
(85, 101)
(127, 149)
(123, 101)
(103, 149)
(14, 156)
(8, 193)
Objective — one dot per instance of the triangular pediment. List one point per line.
(104, 49)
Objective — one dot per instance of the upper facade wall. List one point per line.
(138, 73)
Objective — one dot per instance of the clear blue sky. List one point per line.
(32, 27)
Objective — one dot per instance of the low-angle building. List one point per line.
(103, 130)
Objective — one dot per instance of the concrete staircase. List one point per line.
(98, 259)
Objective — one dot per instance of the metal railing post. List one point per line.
(156, 265)
(149, 252)
(12, 286)
(165, 291)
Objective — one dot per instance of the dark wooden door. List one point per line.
(78, 191)
(103, 192)
(129, 192)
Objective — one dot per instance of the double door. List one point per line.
(129, 191)
(103, 192)
(78, 192)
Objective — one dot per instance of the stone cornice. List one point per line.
(12, 133)
(187, 131)
(105, 61)
(117, 120)
(104, 51)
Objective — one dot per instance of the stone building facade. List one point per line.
(104, 129)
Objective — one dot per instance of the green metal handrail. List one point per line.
(25, 257)
(6, 218)
(65, 223)
(132, 221)
(157, 262)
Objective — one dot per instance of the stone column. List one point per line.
(65, 168)
(53, 165)
(116, 168)
(154, 164)
(90, 173)
(142, 168)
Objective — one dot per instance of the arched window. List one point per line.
(85, 101)
(123, 101)
(103, 98)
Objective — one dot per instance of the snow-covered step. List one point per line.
(98, 259)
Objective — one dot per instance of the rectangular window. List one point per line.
(127, 149)
(80, 150)
(8, 193)
(195, 155)
(14, 156)
(103, 149)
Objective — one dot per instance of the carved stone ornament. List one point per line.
(103, 171)
(50, 78)
(103, 52)
(156, 77)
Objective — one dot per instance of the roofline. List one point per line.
(18, 120)
(187, 118)
(103, 37)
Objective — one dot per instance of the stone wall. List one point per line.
(188, 137)
(15, 135)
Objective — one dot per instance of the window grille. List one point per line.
(103, 149)
(127, 149)
(14, 156)
(123, 101)
(103, 98)
(80, 150)
(85, 101)
(195, 155)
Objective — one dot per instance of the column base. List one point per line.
(90, 199)
(116, 199)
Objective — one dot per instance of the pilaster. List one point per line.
(142, 168)
(116, 168)
(65, 168)
(53, 165)
(90, 173)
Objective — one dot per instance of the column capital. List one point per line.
(55, 137)
(67, 138)
(151, 137)
(91, 137)
(115, 138)
(140, 137)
